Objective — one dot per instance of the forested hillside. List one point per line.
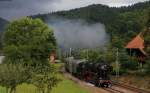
(121, 23)
(2, 24)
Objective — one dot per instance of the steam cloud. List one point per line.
(78, 33)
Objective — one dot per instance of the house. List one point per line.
(136, 48)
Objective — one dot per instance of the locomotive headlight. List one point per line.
(103, 67)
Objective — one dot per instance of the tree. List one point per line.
(148, 67)
(148, 22)
(128, 63)
(45, 79)
(28, 41)
(90, 55)
(117, 42)
(12, 75)
(147, 35)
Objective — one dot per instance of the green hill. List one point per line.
(121, 23)
(3, 23)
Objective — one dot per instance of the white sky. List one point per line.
(12, 9)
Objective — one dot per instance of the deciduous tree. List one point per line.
(28, 41)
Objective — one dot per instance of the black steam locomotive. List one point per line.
(96, 73)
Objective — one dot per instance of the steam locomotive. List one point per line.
(97, 73)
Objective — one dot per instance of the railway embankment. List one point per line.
(142, 82)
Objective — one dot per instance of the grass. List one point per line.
(2, 90)
(58, 65)
(65, 86)
(68, 86)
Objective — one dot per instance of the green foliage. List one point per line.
(148, 67)
(148, 22)
(44, 78)
(3, 24)
(96, 55)
(110, 56)
(66, 86)
(121, 72)
(28, 40)
(121, 23)
(147, 36)
(147, 43)
(91, 55)
(131, 64)
(117, 42)
(12, 76)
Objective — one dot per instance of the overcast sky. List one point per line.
(12, 9)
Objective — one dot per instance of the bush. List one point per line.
(44, 78)
(12, 75)
(148, 67)
(130, 65)
(121, 72)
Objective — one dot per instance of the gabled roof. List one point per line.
(143, 51)
(137, 42)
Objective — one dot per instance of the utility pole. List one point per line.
(70, 60)
(59, 53)
(66, 54)
(87, 55)
(117, 63)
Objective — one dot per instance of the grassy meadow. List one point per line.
(65, 86)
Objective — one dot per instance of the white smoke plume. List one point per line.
(78, 33)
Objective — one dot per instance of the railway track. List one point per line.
(131, 88)
(111, 90)
(120, 87)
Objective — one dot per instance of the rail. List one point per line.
(135, 89)
(111, 90)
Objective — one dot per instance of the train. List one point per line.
(97, 73)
